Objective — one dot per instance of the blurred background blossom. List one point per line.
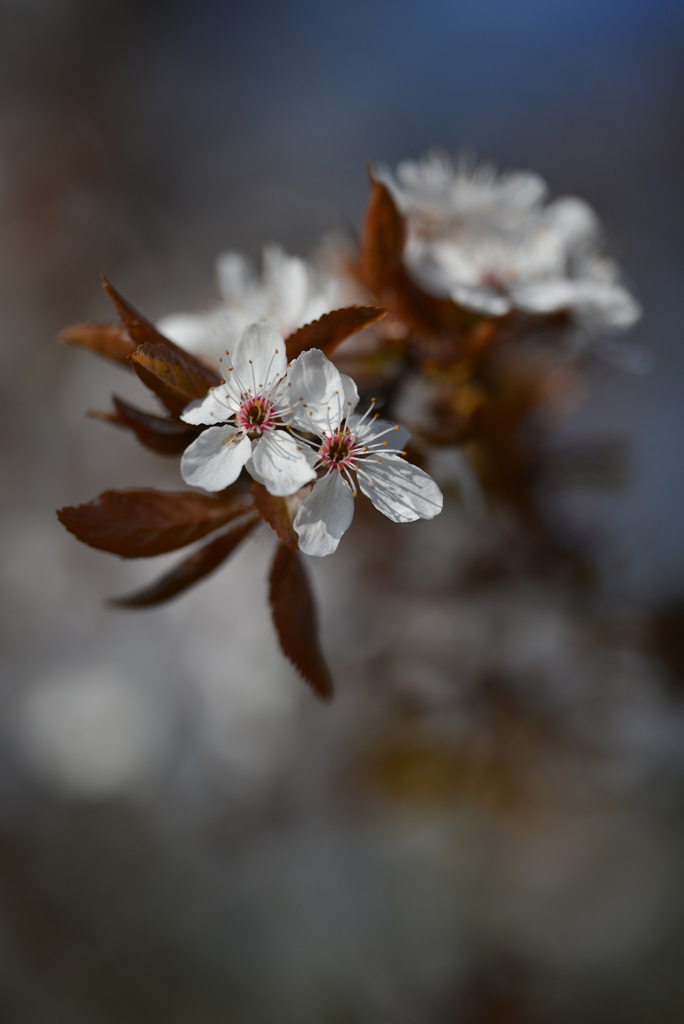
(486, 826)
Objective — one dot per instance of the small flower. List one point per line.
(291, 292)
(247, 416)
(493, 244)
(348, 447)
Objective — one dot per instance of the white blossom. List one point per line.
(493, 244)
(349, 447)
(290, 293)
(247, 418)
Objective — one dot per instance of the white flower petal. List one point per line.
(573, 221)
(286, 281)
(311, 455)
(480, 300)
(606, 308)
(216, 458)
(351, 395)
(316, 392)
(217, 406)
(259, 359)
(235, 277)
(433, 268)
(280, 463)
(598, 306)
(187, 330)
(399, 490)
(325, 515)
(522, 190)
(548, 295)
(208, 334)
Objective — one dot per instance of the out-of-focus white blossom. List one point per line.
(290, 292)
(246, 416)
(493, 244)
(324, 402)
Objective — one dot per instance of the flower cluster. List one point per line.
(492, 244)
(468, 292)
(284, 423)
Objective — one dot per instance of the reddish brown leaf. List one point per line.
(164, 436)
(191, 570)
(141, 330)
(331, 329)
(110, 340)
(175, 376)
(295, 619)
(280, 513)
(382, 244)
(142, 523)
(172, 375)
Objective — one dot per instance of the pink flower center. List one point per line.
(256, 416)
(338, 451)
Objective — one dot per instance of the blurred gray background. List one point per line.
(172, 847)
